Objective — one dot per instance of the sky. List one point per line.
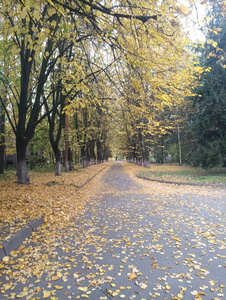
(194, 21)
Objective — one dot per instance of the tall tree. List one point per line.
(2, 139)
(34, 38)
(208, 118)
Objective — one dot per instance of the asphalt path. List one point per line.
(128, 244)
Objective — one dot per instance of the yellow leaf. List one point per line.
(58, 287)
(55, 277)
(83, 289)
(5, 259)
(59, 274)
(112, 293)
(132, 276)
(46, 294)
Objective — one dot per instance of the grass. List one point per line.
(188, 174)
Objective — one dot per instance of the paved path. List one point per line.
(128, 244)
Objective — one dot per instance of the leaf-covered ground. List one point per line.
(133, 239)
(50, 196)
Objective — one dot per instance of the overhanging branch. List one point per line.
(105, 10)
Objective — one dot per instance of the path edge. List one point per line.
(15, 241)
(182, 183)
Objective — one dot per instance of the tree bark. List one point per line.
(84, 156)
(92, 152)
(2, 139)
(139, 161)
(99, 151)
(58, 162)
(146, 162)
(179, 146)
(70, 159)
(22, 171)
(66, 164)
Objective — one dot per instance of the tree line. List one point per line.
(86, 77)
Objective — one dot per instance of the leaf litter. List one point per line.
(22, 203)
(168, 234)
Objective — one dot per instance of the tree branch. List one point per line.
(105, 10)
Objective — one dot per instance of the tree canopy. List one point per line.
(97, 63)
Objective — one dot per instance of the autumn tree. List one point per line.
(146, 37)
(33, 39)
(154, 90)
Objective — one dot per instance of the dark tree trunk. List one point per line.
(133, 158)
(70, 159)
(66, 164)
(92, 152)
(2, 140)
(99, 151)
(22, 171)
(56, 151)
(65, 159)
(84, 156)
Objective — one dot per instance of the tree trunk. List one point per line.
(179, 146)
(58, 168)
(139, 161)
(22, 171)
(84, 156)
(146, 162)
(92, 152)
(2, 140)
(70, 159)
(58, 162)
(66, 164)
(99, 150)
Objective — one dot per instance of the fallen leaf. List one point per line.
(132, 276)
(46, 294)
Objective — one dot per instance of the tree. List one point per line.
(33, 38)
(2, 139)
(207, 122)
(147, 37)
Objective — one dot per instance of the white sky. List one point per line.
(194, 21)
